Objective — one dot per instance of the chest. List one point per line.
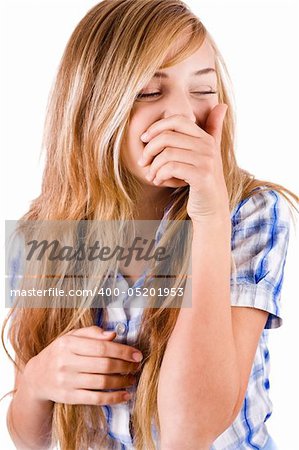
(138, 255)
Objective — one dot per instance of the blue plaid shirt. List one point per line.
(259, 242)
(260, 235)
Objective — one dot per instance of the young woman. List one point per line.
(140, 126)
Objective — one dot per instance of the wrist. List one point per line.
(28, 386)
(217, 225)
(221, 218)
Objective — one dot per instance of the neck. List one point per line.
(152, 202)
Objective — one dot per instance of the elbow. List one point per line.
(229, 411)
(229, 407)
(201, 429)
(224, 411)
(203, 410)
(222, 419)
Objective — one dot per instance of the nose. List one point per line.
(179, 104)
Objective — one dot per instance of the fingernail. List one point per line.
(107, 332)
(144, 137)
(137, 357)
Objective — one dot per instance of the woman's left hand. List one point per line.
(178, 148)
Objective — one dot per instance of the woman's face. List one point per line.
(176, 91)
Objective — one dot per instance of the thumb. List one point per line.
(93, 332)
(214, 122)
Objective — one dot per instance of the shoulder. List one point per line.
(259, 243)
(264, 207)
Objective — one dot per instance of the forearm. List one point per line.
(199, 378)
(29, 420)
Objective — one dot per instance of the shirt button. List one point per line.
(120, 328)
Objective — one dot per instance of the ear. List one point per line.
(214, 122)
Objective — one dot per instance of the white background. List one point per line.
(259, 42)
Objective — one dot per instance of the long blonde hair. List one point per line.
(111, 55)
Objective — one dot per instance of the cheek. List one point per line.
(141, 119)
(209, 105)
(133, 146)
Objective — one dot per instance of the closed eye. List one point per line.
(155, 94)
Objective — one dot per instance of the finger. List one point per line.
(86, 364)
(177, 123)
(102, 348)
(86, 397)
(171, 154)
(185, 172)
(173, 182)
(167, 139)
(99, 381)
(214, 122)
(93, 332)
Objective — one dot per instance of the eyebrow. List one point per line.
(198, 72)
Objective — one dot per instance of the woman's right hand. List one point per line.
(75, 366)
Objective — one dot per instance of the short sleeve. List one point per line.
(14, 268)
(260, 237)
